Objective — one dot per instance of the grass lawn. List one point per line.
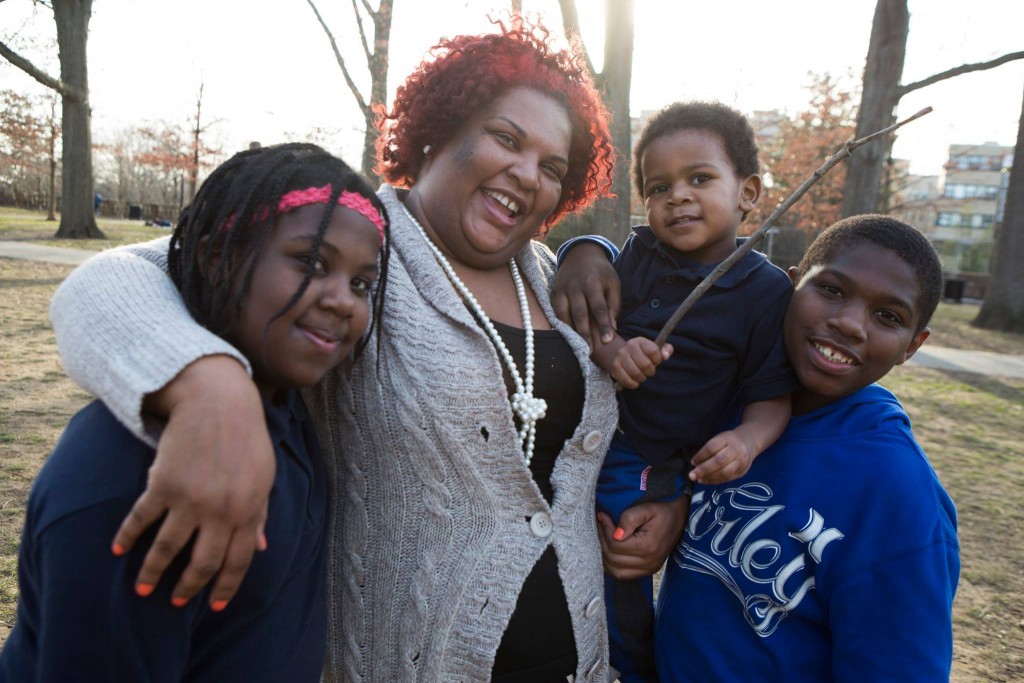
(970, 425)
(32, 226)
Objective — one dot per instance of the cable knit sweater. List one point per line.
(436, 520)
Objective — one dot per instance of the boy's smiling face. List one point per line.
(692, 195)
(849, 322)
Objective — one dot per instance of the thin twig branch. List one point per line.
(956, 71)
(363, 106)
(842, 153)
(362, 32)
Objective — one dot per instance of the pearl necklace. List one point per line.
(527, 407)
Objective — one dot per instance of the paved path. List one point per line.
(979, 362)
(38, 252)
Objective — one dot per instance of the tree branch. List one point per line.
(842, 153)
(571, 26)
(363, 106)
(39, 75)
(962, 69)
(362, 31)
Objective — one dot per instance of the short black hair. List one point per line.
(244, 192)
(731, 127)
(888, 233)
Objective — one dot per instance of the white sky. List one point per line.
(268, 68)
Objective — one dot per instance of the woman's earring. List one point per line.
(426, 150)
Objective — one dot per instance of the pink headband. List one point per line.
(321, 195)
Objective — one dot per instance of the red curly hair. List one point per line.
(469, 72)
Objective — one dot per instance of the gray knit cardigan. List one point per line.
(436, 520)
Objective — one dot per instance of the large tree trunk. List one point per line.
(77, 218)
(617, 76)
(1003, 308)
(881, 93)
(608, 217)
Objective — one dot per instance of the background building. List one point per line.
(971, 204)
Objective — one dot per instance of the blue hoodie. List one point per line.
(834, 559)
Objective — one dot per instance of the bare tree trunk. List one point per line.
(1003, 308)
(52, 133)
(609, 217)
(193, 171)
(617, 76)
(77, 217)
(378, 64)
(883, 70)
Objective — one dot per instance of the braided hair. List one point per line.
(221, 235)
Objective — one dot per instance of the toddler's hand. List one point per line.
(637, 360)
(724, 457)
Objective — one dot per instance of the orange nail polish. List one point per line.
(218, 605)
(118, 549)
(619, 534)
(144, 589)
(179, 601)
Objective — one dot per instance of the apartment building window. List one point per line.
(971, 191)
(951, 219)
(978, 162)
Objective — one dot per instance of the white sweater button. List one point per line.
(592, 441)
(540, 524)
(592, 608)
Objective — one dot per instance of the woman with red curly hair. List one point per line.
(464, 445)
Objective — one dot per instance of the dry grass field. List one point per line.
(970, 425)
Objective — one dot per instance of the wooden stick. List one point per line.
(842, 153)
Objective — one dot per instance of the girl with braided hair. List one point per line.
(277, 256)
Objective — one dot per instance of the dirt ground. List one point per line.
(969, 425)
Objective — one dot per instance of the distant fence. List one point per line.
(959, 286)
(109, 208)
(113, 208)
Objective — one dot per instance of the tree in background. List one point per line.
(153, 163)
(881, 92)
(29, 134)
(802, 144)
(72, 17)
(1003, 308)
(609, 217)
(376, 64)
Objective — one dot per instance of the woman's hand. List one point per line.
(586, 292)
(212, 477)
(646, 534)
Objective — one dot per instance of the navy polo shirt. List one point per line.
(78, 616)
(727, 347)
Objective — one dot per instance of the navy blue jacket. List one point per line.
(78, 616)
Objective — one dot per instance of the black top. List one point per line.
(538, 644)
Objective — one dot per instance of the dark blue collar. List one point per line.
(692, 270)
